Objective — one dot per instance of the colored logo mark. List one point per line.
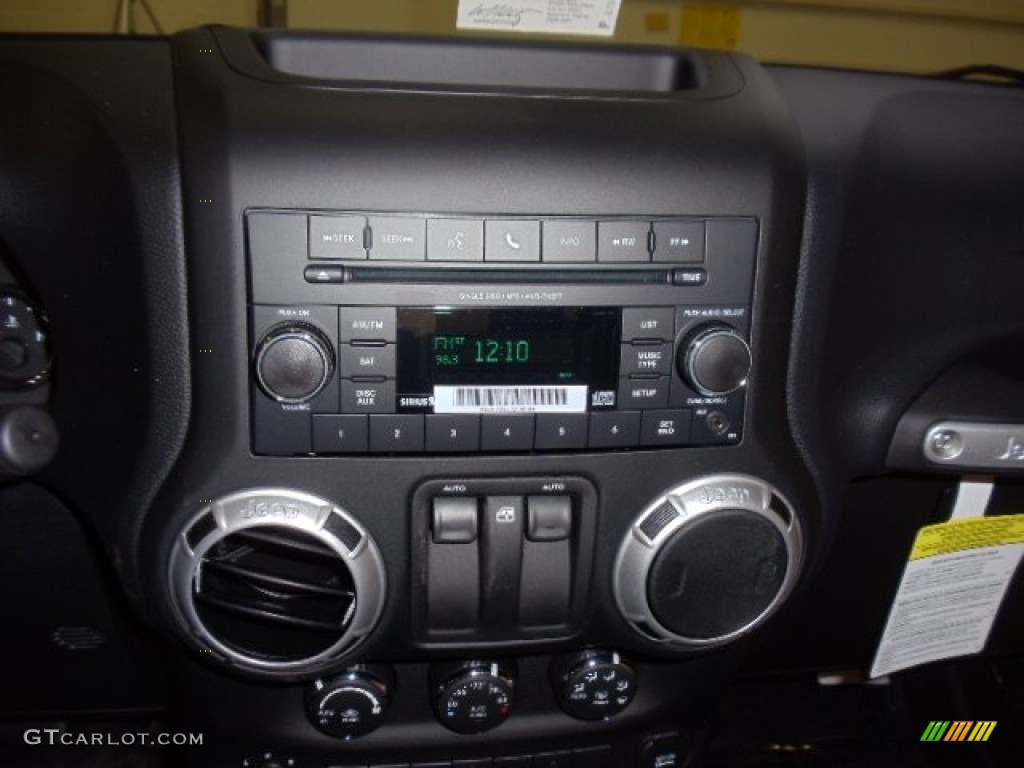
(958, 730)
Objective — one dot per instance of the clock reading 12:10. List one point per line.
(502, 351)
(451, 351)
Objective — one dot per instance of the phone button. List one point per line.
(512, 240)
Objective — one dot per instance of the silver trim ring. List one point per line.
(280, 508)
(694, 501)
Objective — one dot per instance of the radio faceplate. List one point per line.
(380, 336)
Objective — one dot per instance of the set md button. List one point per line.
(671, 427)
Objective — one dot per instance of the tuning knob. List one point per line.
(474, 696)
(351, 704)
(714, 360)
(294, 362)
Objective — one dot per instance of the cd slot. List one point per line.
(433, 276)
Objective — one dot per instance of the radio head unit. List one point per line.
(377, 333)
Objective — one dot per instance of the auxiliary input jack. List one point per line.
(718, 422)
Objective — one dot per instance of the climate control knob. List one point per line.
(294, 362)
(474, 696)
(594, 685)
(714, 360)
(351, 704)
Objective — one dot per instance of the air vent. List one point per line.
(274, 593)
(263, 579)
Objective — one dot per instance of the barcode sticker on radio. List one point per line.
(543, 399)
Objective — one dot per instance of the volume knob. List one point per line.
(294, 362)
(714, 360)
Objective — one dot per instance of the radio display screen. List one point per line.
(508, 360)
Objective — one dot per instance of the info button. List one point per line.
(569, 241)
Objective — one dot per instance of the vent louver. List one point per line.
(274, 593)
(277, 582)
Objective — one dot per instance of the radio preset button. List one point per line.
(643, 393)
(455, 240)
(367, 324)
(569, 241)
(337, 237)
(623, 241)
(665, 427)
(453, 433)
(340, 434)
(615, 429)
(373, 360)
(561, 431)
(648, 323)
(394, 238)
(512, 240)
(396, 434)
(646, 358)
(679, 241)
(367, 396)
(512, 432)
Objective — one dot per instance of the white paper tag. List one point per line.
(561, 17)
(951, 591)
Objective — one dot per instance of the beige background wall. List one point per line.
(908, 35)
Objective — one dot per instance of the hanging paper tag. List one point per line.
(560, 17)
(951, 591)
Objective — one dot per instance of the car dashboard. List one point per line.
(384, 401)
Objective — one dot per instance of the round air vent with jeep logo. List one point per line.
(708, 561)
(276, 582)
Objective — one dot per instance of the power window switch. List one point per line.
(549, 518)
(455, 520)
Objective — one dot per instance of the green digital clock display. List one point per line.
(539, 357)
(451, 351)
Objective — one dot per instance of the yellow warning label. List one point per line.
(968, 533)
(710, 25)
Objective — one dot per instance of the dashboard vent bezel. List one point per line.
(276, 582)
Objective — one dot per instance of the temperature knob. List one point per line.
(352, 704)
(294, 362)
(474, 696)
